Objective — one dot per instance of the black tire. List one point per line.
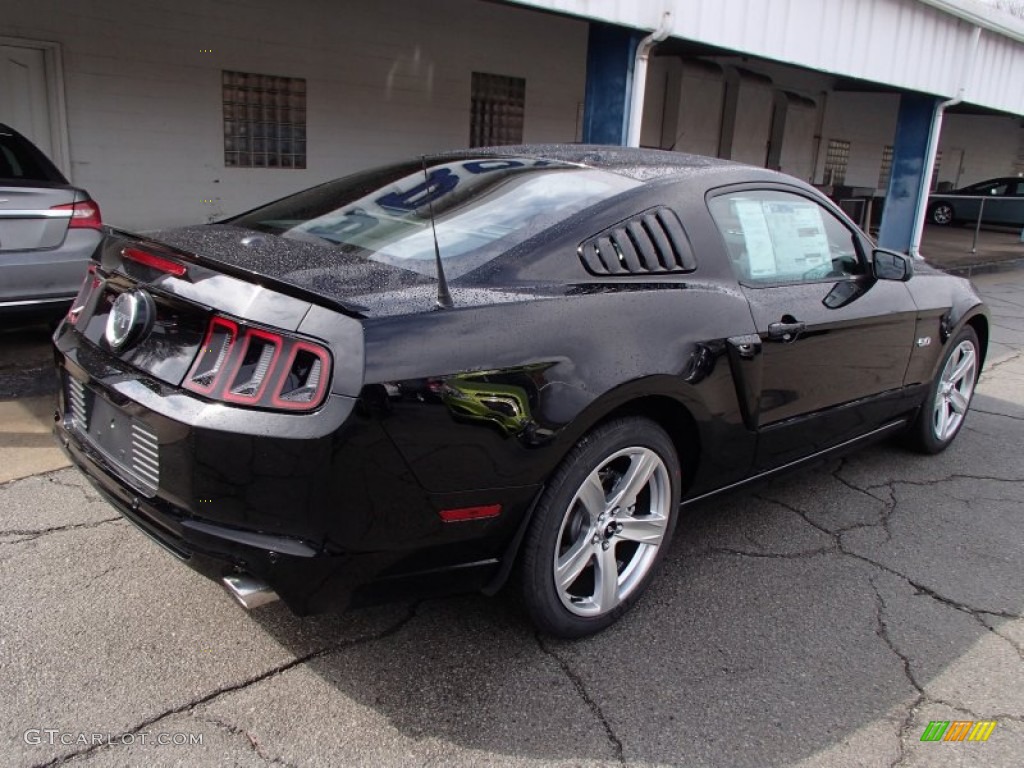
(940, 418)
(942, 213)
(579, 518)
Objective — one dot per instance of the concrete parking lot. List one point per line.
(823, 619)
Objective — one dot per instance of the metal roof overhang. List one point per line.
(915, 45)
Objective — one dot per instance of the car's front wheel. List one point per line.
(600, 528)
(950, 395)
(941, 214)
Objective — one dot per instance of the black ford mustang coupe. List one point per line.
(436, 375)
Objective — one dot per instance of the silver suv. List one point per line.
(48, 231)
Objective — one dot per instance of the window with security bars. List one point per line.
(837, 158)
(497, 110)
(885, 173)
(264, 121)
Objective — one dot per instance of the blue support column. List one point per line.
(909, 159)
(610, 54)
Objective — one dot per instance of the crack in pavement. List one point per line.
(835, 534)
(990, 367)
(963, 607)
(994, 413)
(1016, 646)
(53, 477)
(835, 474)
(839, 548)
(108, 570)
(253, 742)
(922, 697)
(581, 689)
(772, 555)
(947, 479)
(32, 534)
(256, 679)
(882, 631)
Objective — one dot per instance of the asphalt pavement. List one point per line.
(823, 619)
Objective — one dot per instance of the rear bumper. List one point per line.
(46, 279)
(326, 521)
(308, 580)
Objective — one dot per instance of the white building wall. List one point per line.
(798, 141)
(384, 80)
(683, 106)
(753, 121)
(662, 74)
(868, 122)
(699, 117)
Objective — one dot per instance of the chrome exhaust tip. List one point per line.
(248, 590)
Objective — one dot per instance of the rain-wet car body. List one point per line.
(280, 397)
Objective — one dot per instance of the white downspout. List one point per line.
(636, 97)
(933, 144)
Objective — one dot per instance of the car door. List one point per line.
(835, 341)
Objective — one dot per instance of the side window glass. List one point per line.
(779, 237)
(10, 168)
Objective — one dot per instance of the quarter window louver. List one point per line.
(651, 243)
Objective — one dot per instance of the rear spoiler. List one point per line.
(162, 249)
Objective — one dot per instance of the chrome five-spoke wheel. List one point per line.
(949, 396)
(601, 527)
(956, 385)
(612, 530)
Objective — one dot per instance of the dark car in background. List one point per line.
(48, 231)
(495, 364)
(1003, 203)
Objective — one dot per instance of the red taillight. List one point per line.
(304, 376)
(152, 260)
(213, 355)
(256, 367)
(84, 215)
(470, 513)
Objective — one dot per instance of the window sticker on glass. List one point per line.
(798, 234)
(757, 238)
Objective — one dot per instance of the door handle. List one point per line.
(785, 331)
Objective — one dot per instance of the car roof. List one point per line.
(641, 164)
(994, 180)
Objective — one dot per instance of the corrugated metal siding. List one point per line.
(903, 43)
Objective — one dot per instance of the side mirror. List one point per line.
(890, 265)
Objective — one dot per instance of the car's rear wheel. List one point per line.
(600, 528)
(941, 214)
(950, 395)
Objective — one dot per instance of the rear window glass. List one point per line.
(481, 209)
(20, 160)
